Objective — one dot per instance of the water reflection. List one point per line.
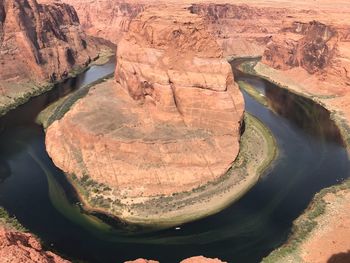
(306, 114)
(26, 113)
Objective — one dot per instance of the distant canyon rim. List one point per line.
(174, 92)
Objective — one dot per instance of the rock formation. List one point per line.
(40, 41)
(201, 259)
(198, 259)
(106, 19)
(241, 30)
(312, 46)
(315, 56)
(16, 247)
(171, 123)
(141, 260)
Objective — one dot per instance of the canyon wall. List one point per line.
(319, 49)
(106, 19)
(172, 121)
(241, 30)
(40, 42)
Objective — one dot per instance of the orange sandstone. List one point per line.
(201, 259)
(17, 247)
(40, 41)
(172, 121)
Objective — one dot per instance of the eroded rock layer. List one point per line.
(171, 123)
(16, 247)
(40, 42)
(315, 47)
(107, 19)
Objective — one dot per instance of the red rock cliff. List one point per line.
(40, 41)
(107, 19)
(308, 45)
(315, 51)
(17, 247)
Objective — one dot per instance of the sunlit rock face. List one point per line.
(171, 120)
(40, 41)
(108, 19)
(17, 247)
(311, 46)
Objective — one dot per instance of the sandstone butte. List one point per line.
(39, 43)
(171, 122)
(304, 45)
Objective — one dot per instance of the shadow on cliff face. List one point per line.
(343, 257)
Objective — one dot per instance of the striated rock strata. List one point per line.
(170, 124)
(16, 247)
(39, 42)
(107, 19)
(318, 49)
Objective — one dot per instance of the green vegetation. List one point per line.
(344, 128)
(10, 221)
(271, 148)
(94, 193)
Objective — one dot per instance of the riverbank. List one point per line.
(257, 152)
(56, 110)
(17, 93)
(322, 231)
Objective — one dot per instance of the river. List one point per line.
(312, 157)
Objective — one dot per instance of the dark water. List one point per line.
(312, 157)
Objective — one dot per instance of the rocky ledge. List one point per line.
(16, 247)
